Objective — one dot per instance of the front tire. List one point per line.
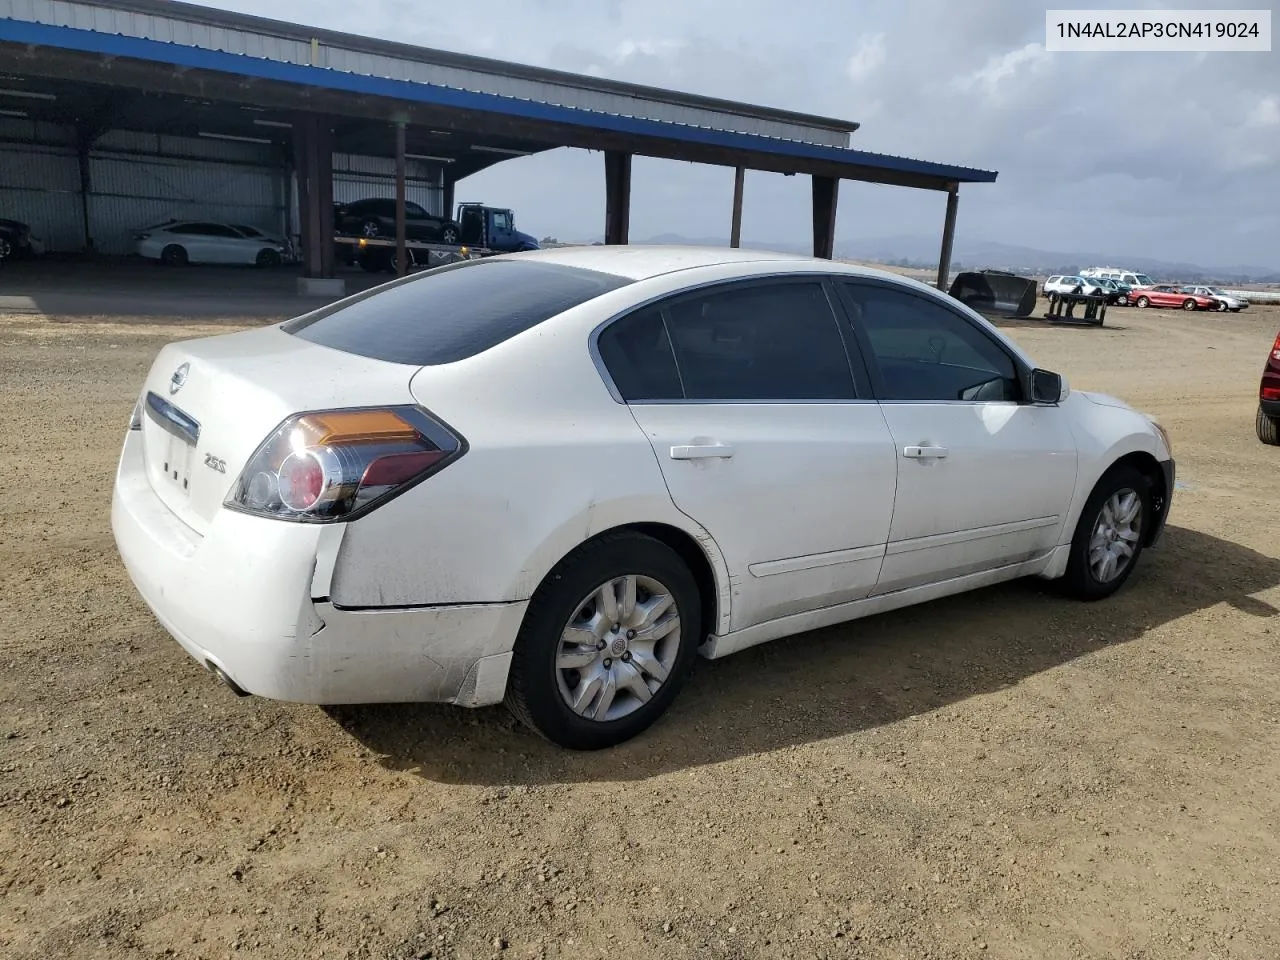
(267, 258)
(174, 255)
(1268, 429)
(1188, 304)
(606, 643)
(1110, 534)
(1143, 303)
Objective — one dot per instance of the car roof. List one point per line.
(643, 261)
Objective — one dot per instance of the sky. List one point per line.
(1168, 155)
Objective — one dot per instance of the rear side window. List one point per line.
(761, 342)
(451, 313)
(639, 357)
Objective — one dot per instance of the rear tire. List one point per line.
(174, 255)
(541, 686)
(1105, 528)
(449, 234)
(1268, 429)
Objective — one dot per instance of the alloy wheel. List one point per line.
(1117, 532)
(619, 648)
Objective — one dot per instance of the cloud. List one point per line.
(999, 70)
(867, 58)
(1266, 113)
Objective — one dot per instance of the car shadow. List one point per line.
(835, 681)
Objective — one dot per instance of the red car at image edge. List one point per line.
(1269, 398)
(1167, 295)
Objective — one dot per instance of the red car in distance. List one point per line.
(1269, 398)
(1167, 295)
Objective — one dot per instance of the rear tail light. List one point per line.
(1275, 348)
(334, 465)
(1270, 393)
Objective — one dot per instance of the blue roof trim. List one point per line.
(92, 41)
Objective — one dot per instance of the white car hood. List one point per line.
(1104, 399)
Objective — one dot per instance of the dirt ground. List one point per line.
(1005, 774)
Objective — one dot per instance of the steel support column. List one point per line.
(446, 202)
(313, 161)
(825, 193)
(84, 141)
(735, 227)
(402, 253)
(948, 236)
(617, 196)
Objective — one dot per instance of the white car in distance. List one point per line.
(179, 242)
(554, 478)
(1056, 286)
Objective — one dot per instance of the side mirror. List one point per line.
(1047, 387)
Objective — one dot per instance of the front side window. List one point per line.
(760, 342)
(502, 221)
(925, 352)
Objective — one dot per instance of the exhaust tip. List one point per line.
(225, 680)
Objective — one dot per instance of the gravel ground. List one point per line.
(1005, 774)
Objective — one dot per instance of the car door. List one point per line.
(984, 478)
(500, 230)
(199, 241)
(228, 246)
(764, 436)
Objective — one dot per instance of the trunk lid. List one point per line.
(208, 404)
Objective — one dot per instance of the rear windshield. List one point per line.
(452, 312)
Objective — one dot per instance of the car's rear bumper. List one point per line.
(1169, 470)
(241, 598)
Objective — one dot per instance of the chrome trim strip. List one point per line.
(172, 419)
(813, 561)
(964, 536)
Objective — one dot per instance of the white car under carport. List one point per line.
(179, 242)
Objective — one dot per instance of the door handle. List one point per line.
(702, 451)
(924, 452)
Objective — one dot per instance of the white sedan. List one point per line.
(179, 242)
(553, 478)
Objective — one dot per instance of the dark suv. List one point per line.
(376, 217)
(1269, 398)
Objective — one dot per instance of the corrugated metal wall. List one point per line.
(40, 185)
(139, 179)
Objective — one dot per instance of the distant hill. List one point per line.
(922, 253)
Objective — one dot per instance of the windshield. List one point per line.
(247, 231)
(1145, 281)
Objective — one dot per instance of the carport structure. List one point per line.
(165, 67)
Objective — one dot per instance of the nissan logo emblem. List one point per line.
(179, 378)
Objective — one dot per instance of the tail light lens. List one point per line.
(334, 465)
(1275, 349)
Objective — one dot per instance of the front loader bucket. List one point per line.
(995, 292)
